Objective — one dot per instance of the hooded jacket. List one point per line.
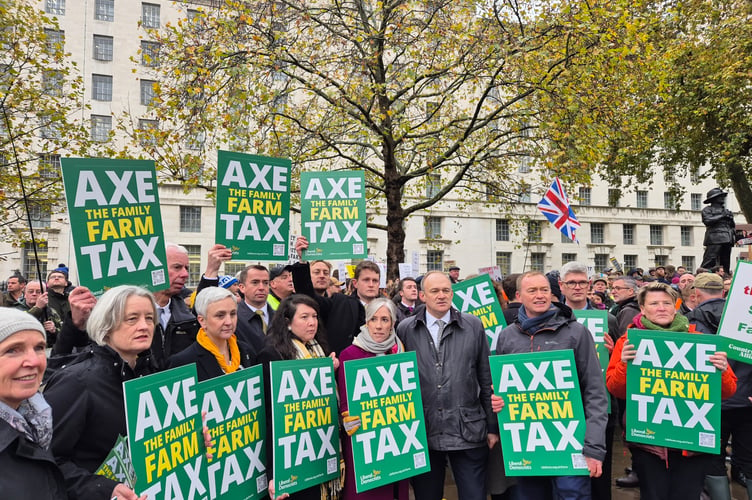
(562, 331)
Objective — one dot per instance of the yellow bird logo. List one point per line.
(526, 462)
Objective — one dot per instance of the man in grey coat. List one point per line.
(544, 326)
(455, 381)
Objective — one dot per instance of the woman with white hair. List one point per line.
(86, 396)
(217, 350)
(376, 338)
(28, 467)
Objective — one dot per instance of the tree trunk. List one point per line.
(742, 190)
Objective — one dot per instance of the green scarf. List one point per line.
(679, 324)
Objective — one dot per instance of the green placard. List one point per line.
(478, 297)
(117, 465)
(542, 424)
(596, 321)
(164, 434)
(305, 423)
(116, 223)
(736, 323)
(673, 391)
(390, 444)
(333, 214)
(233, 406)
(253, 205)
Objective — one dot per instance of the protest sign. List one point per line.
(390, 444)
(116, 223)
(477, 296)
(235, 415)
(736, 323)
(542, 424)
(416, 262)
(117, 465)
(596, 321)
(333, 214)
(406, 270)
(493, 271)
(164, 434)
(673, 391)
(253, 205)
(305, 423)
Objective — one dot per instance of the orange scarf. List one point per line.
(204, 341)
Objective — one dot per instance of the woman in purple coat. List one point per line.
(376, 338)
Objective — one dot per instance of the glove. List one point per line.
(351, 424)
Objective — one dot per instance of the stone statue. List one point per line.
(719, 235)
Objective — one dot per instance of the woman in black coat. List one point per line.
(216, 350)
(28, 469)
(86, 396)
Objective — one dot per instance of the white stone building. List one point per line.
(642, 227)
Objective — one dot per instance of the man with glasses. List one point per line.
(625, 308)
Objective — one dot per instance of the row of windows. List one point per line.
(103, 47)
(670, 202)
(597, 233)
(101, 87)
(104, 10)
(536, 261)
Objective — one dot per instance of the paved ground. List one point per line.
(621, 460)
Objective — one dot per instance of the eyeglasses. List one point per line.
(575, 284)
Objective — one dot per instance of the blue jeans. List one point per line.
(468, 468)
(556, 487)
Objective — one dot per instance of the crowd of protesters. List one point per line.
(52, 442)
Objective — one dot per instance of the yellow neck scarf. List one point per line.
(204, 341)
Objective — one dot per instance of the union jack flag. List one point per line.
(555, 206)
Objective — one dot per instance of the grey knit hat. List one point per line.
(14, 321)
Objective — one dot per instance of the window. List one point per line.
(695, 201)
(568, 257)
(524, 195)
(524, 167)
(49, 166)
(194, 264)
(585, 195)
(433, 227)
(150, 15)
(537, 261)
(101, 87)
(435, 260)
(191, 15)
(147, 129)
(149, 54)
(614, 197)
(190, 219)
(661, 260)
(52, 83)
(40, 217)
(534, 231)
(686, 236)
(55, 40)
(147, 92)
(104, 10)
(656, 234)
(601, 262)
(102, 48)
(597, 230)
(56, 7)
(233, 268)
(502, 230)
(694, 176)
(504, 261)
(630, 262)
(628, 233)
(565, 238)
(50, 129)
(195, 141)
(642, 199)
(29, 262)
(688, 261)
(669, 201)
(433, 185)
(432, 109)
(101, 125)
